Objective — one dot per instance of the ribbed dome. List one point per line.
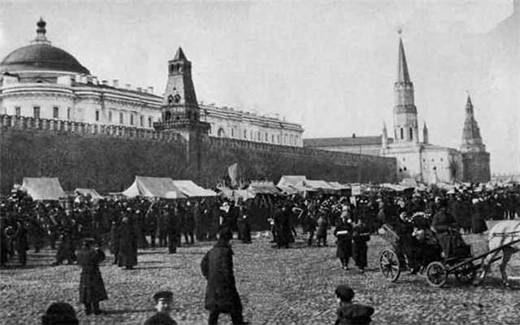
(41, 56)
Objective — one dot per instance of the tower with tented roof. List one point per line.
(474, 156)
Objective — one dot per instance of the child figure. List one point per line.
(350, 313)
(163, 301)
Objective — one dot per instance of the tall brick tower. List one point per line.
(406, 129)
(474, 156)
(180, 110)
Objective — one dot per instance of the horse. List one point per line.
(501, 235)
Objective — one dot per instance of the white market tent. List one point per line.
(153, 187)
(43, 188)
(339, 186)
(319, 185)
(190, 189)
(231, 194)
(288, 181)
(88, 192)
(263, 187)
(292, 184)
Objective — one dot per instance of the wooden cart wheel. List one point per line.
(466, 273)
(436, 274)
(389, 265)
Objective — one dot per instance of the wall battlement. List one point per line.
(86, 129)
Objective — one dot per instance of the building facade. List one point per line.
(418, 158)
(42, 81)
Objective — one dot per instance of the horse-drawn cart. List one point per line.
(465, 267)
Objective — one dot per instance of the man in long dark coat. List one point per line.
(343, 233)
(173, 230)
(68, 234)
(360, 237)
(221, 292)
(91, 286)
(282, 227)
(127, 244)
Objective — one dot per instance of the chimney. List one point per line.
(104, 82)
(92, 80)
(128, 86)
(150, 89)
(353, 135)
(139, 89)
(115, 83)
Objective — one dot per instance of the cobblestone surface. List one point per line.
(293, 286)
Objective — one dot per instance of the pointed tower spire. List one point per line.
(384, 138)
(426, 139)
(471, 139)
(469, 106)
(402, 67)
(179, 56)
(406, 127)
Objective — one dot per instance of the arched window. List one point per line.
(411, 133)
(221, 133)
(402, 134)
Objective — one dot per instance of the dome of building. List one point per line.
(41, 56)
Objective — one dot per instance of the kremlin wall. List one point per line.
(108, 157)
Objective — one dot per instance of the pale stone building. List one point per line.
(41, 80)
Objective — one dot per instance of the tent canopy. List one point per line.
(263, 187)
(319, 185)
(231, 194)
(88, 192)
(157, 187)
(43, 188)
(290, 180)
(339, 186)
(190, 189)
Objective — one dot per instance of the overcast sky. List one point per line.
(329, 65)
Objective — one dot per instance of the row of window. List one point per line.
(37, 110)
(97, 117)
(289, 139)
(132, 119)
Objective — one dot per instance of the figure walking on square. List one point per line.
(127, 244)
(323, 225)
(91, 286)
(21, 243)
(343, 233)
(221, 292)
(360, 237)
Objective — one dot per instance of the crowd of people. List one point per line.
(80, 228)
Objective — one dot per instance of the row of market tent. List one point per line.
(49, 189)
(45, 188)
